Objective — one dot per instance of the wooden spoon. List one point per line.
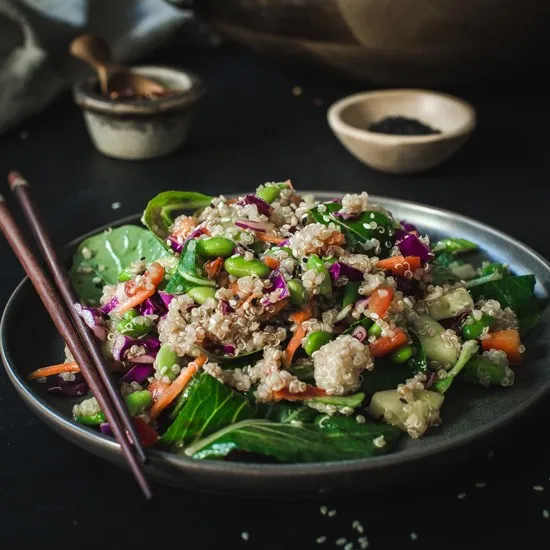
(112, 77)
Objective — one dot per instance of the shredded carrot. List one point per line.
(380, 301)
(309, 393)
(269, 238)
(277, 307)
(386, 344)
(400, 264)
(337, 238)
(213, 267)
(507, 341)
(154, 276)
(177, 386)
(271, 262)
(157, 388)
(53, 369)
(234, 287)
(296, 341)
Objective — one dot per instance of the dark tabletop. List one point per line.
(252, 129)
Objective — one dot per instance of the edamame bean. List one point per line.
(130, 314)
(375, 330)
(316, 340)
(271, 192)
(402, 354)
(165, 360)
(90, 419)
(351, 294)
(298, 295)
(202, 293)
(215, 247)
(314, 262)
(136, 326)
(138, 401)
(473, 330)
(240, 267)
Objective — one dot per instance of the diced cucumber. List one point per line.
(430, 334)
(413, 417)
(450, 304)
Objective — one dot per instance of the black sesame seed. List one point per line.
(400, 125)
(403, 400)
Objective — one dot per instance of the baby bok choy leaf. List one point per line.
(208, 407)
(469, 349)
(162, 210)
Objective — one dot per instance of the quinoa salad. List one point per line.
(276, 327)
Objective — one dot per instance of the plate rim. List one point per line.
(307, 469)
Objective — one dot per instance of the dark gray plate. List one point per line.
(471, 414)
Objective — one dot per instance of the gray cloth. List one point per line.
(35, 34)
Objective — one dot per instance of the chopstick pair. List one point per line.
(59, 303)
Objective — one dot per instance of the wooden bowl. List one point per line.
(350, 117)
(389, 42)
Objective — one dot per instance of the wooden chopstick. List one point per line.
(21, 190)
(54, 305)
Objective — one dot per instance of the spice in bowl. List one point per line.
(130, 94)
(400, 125)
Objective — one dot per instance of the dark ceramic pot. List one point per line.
(401, 42)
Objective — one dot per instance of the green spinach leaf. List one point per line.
(162, 210)
(324, 440)
(358, 232)
(187, 274)
(517, 293)
(441, 274)
(99, 259)
(210, 406)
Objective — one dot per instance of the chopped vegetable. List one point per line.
(507, 341)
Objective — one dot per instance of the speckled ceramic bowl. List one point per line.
(472, 415)
(143, 129)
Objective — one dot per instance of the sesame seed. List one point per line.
(96, 280)
(538, 488)
(348, 546)
(545, 514)
(116, 205)
(341, 541)
(461, 496)
(481, 484)
(332, 513)
(321, 539)
(245, 535)
(413, 536)
(24, 134)
(297, 90)
(323, 510)
(358, 526)
(363, 542)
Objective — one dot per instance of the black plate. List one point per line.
(471, 414)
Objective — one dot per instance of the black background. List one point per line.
(251, 129)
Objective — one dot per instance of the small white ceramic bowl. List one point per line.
(350, 117)
(141, 129)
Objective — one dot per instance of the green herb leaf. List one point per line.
(442, 275)
(209, 406)
(111, 252)
(162, 210)
(419, 361)
(469, 349)
(332, 438)
(517, 293)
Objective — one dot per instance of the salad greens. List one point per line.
(99, 260)
(298, 331)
